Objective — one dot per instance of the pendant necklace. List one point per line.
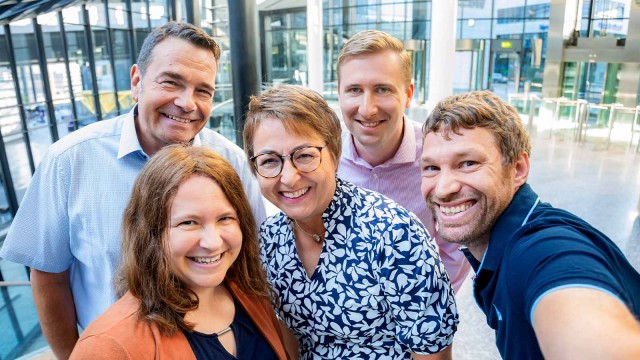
(315, 237)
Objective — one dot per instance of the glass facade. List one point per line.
(510, 52)
(605, 18)
(59, 70)
(406, 20)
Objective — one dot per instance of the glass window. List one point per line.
(474, 9)
(19, 162)
(474, 29)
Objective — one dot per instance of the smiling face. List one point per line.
(174, 95)
(301, 196)
(373, 95)
(204, 234)
(466, 184)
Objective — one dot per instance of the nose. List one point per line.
(368, 107)
(289, 175)
(185, 101)
(447, 184)
(210, 238)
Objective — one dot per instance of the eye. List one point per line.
(383, 90)
(205, 92)
(354, 90)
(187, 224)
(268, 161)
(468, 164)
(169, 83)
(430, 170)
(228, 218)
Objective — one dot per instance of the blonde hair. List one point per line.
(371, 42)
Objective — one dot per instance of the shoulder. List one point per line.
(223, 146)
(273, 222)
(121, 315)
(371, 202)
(116, 333)
(95, 132)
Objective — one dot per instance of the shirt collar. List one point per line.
(406, 153)
(129, 142)
(514, 216)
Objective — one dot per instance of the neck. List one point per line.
(310, 229)
(215, 310)
(478, 248)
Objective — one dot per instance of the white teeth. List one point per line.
(185, 121)
(206, 260)
(455, 209)
(295, 194)
(370, 124)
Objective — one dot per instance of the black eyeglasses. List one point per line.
(305, 159)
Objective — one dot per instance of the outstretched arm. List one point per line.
(442, 355)
(56, 310)
(582, 323)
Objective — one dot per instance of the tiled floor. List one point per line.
(601, 186)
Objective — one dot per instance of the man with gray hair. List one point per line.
(382, 146)
(67, 229)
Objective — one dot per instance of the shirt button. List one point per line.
(375, 176)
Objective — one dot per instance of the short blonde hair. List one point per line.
(371, 42)
(301, 110)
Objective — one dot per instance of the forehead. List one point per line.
(274, 133)
(178, 54)
(476, 141)
(367, 66)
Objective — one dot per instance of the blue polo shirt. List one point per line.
(536, 249)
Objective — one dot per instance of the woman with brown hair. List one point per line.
(191, 281)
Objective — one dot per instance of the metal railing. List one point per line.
(579, 114)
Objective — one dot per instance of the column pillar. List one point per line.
(245, 70)
(315, 72)
(442, 54)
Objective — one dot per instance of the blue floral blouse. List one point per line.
(379, 289)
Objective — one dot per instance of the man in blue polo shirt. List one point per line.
(551, 285)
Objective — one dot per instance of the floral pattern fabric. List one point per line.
(379, 289)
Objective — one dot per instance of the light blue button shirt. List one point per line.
(70, 215)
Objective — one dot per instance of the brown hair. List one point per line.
(185, 31)
(482, 109)
(301, 110)
(146, 268)
(371, 42)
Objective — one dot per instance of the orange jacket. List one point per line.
(119, 334)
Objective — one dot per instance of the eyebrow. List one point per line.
(177, 76)
(458, 155)
(273, 152)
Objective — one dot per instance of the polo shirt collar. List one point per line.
(129, 142)
(514, 216)
(406, 153)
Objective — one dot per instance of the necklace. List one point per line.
(224, 331)
(315, 237)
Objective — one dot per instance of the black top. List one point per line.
(250, 344)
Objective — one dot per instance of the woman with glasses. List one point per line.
(191, 276)
(357, 275)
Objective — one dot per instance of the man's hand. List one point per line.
(582, 323)
(56, 310)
